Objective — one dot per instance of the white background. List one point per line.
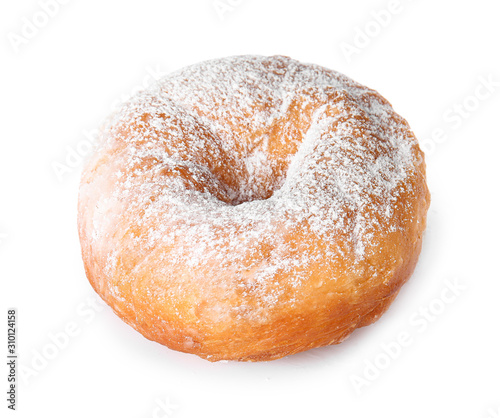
(61, 77)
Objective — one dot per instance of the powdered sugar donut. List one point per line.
(251, 207)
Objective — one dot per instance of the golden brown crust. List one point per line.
(258, 213)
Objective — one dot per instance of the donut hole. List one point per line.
(264, 156)
(259, 177)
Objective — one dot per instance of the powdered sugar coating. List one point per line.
(239, 174)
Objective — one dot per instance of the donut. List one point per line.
(249, 208)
